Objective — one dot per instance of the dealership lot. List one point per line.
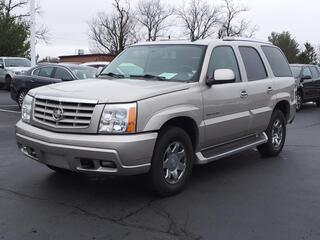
(240, 197)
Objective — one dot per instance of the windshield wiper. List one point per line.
(111, 74)
(148, 76)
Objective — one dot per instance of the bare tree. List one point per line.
(112, 34)
(152, 14)
(199, 19)
(9, 8)
(13, 9)
(231, 25)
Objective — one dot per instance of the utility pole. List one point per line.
(33, 32)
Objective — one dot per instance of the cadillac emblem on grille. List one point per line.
(57, 114)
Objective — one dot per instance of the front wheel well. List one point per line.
(188, 125)
(284, 107)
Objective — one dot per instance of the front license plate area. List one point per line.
(56, 160)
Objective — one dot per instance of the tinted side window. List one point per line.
(314, 71)
(45, 72)
(221, 58)
(62, 74)
(1, 60)
(253, 63)
(306, 72)
(277, 61)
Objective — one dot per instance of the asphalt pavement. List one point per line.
(241, 197)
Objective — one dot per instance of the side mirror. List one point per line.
(1, 66)
(221, 76)
(306, 77)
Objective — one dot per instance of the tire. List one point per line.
(59, 170)
(299, 101)
(318, 103)
(276, 133)
(21, 96)
(172, 161)
(7, 83)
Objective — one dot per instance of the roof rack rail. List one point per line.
(245, 40)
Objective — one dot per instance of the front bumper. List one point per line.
(115, 155)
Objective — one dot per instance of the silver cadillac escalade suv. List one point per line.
(160, 108)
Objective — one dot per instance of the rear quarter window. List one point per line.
(277, 61)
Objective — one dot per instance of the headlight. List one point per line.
(118, 118)
(26, 109)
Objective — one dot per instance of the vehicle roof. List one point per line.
(302, 65)
(68, 65)
(94, 63)
(204, 42)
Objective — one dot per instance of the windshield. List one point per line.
(84, 72)
(296, 71)
(165, 62)
(17, 62)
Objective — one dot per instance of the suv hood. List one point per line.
(18, 69)
(109, 91)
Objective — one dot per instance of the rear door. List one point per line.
(260, 88)
(42, 76)
(226, 111)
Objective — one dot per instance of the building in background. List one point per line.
(82, 58)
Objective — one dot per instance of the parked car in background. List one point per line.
(11, 66)
(308, 83)
(160, 108)
(98, 65)
(47, 74)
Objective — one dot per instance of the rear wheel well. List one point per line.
(284, 107)
(300, 91)
(188, 125)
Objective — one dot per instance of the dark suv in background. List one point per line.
(308, 84)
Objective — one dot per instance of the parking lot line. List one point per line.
(9, 111)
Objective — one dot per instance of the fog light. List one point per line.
(87, 164)
(108, 164)
(29, 151)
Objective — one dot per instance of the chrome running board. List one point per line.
(229, 149)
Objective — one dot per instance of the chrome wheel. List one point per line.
(277, 133)
(174, 163)
(21, 97)
(299, 102)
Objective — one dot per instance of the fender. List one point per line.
(157, 120)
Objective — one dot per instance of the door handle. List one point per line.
(244, 94)
(269, 90)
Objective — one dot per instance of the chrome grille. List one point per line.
(74, 114)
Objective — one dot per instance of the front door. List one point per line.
(226, 111)
(309, 91)
(315, 81)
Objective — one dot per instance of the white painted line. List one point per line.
(9, 105)
(9, 111)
